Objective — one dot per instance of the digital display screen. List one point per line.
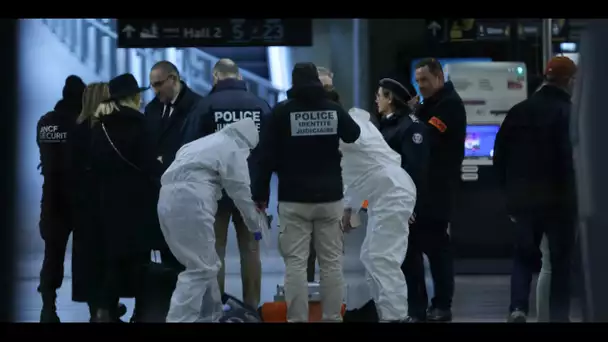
(479, 141)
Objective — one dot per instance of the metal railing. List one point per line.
(94, 43)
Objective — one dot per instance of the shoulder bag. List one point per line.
(103, 127)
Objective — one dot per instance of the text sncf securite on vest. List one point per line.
(51, 133)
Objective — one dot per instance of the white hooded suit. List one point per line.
(191, 187)
(372, 171)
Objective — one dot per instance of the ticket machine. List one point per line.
(480, 228)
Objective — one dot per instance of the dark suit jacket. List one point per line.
(168, 139)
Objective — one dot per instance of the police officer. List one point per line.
(533, 158)
(53, 132)
(300, 143)
(228, 102)
(405, 134)
(443, 113)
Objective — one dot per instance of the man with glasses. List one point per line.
(166, 115)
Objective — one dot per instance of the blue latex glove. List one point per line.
(257, 236)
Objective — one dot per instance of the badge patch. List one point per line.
(440, 125)
(314, 123)
(417, 138)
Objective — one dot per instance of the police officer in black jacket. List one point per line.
(301, 143)
(533, 159)
(228, 102)
(53, 131)
(405, 134)
(444, 114)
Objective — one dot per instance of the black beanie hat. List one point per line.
(74, 88)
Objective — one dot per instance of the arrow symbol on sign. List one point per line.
(434, 27)
(128, 30)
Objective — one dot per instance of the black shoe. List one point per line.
(439, 315)
(49, 315)
(411, 319)
(517, 316)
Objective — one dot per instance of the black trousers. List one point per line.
(120, 274)
(559, 228)
(430, 237)
(55, 229)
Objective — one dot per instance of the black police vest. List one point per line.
(224, 117)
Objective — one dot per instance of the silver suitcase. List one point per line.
(314, 294)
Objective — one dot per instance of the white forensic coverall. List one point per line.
(372, 171)
(191, 187)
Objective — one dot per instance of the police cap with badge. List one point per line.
(400, 92)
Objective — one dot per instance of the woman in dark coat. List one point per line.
(124, 167)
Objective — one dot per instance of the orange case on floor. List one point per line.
(277, 312)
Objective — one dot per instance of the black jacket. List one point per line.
(406, 135)
(533, 153)
(127, 194)
(446, 119)
(301, 144)
(228, 102)
(168, 139)
(52, 134)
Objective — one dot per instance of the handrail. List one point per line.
(195, 66)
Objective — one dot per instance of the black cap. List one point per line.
(304, 74)
(123, 86)
(396, 88)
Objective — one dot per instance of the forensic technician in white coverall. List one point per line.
(372, 171)
(191, 187)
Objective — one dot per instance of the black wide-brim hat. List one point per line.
(124, 86)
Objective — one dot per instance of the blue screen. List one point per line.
(479, 142)
(443, 62)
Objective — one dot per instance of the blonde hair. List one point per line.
(93, 95)
(111, 107)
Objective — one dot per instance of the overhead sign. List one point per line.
(493, 30)
(163, 33)
(532, 29)
(468, 30)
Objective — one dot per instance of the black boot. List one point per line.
(49, 309)
(102, 316)
(439, 315)
(121, 310)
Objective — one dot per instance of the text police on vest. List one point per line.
(223, 118)
(314, 123)
(51, 134)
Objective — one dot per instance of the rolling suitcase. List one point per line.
(277, 311)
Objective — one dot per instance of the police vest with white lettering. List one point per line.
(314, 123)
(222, 118)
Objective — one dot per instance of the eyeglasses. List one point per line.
(159, 84)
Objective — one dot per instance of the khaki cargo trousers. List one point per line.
(301, 222)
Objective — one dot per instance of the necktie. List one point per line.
(165, 115)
